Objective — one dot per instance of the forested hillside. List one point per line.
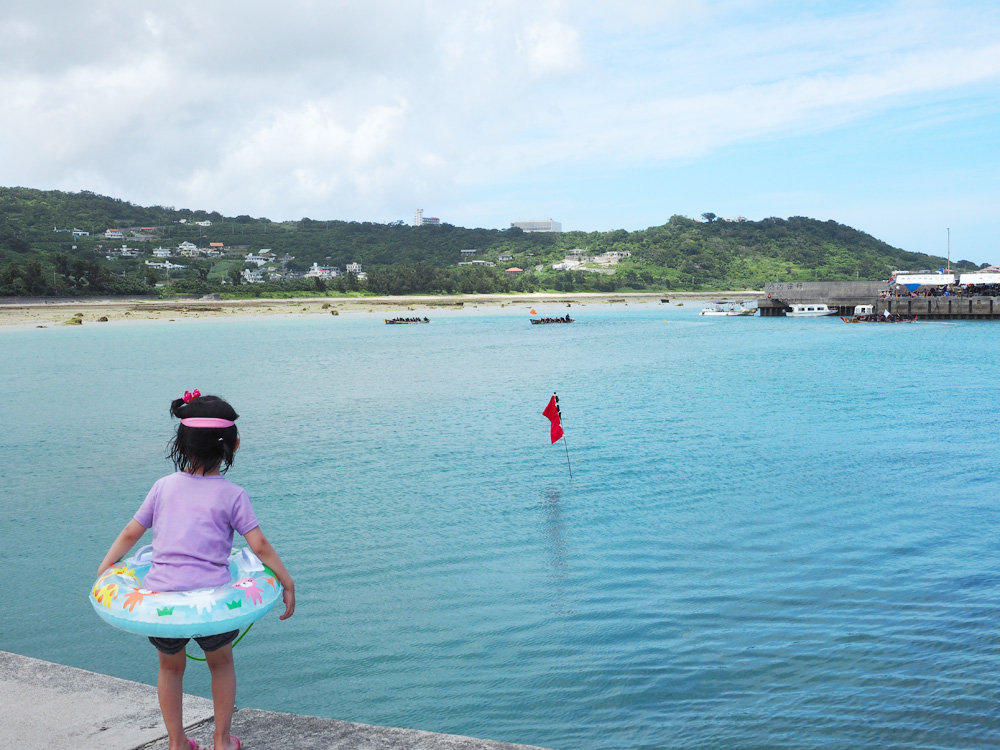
(41, 255)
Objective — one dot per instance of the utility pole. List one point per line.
(949, 249)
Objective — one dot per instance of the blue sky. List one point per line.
(881, 115)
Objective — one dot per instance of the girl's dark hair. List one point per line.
(203, 448)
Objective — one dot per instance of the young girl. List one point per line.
(193, 513)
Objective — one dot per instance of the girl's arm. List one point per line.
(125, 541)
(269, 556)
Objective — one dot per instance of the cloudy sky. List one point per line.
(602, 115)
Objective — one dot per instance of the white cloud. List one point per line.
(359, 110)
(551, 47)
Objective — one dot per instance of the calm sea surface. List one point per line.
(778, 532)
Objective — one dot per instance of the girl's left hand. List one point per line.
(288, 596)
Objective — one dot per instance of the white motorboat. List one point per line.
(810, 310)
(740, 309)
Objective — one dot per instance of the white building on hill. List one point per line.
(547, 225)
(322, 272)
(419, 219)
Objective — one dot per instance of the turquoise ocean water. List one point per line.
(778, 532)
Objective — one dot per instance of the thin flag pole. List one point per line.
(566, 446)
(557, 427)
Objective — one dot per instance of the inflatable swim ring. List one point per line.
(121, 600)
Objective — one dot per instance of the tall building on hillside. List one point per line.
(538, 226)
(419, 219)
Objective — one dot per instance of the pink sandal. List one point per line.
(238, 743)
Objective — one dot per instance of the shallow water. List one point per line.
(778, 533)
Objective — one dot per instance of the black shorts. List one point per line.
(170, 646)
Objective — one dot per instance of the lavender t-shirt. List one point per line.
(193, 518)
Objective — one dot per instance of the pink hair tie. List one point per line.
(207, 422)
(190, 396)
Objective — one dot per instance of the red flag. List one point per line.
(555, 417)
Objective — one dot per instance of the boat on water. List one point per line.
(404, 321)
(546, 321)
(881, 319)
(739, 309)
(810, 310)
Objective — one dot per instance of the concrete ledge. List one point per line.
(267, 729)
(44, 705)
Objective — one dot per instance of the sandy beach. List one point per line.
(89, 312)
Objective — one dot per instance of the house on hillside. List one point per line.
(322, 272)
(114, 234)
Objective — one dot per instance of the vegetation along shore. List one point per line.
(62, 244)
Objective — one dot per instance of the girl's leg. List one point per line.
(170, 690)
(220, 664)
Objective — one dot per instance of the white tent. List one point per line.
(979, 278)
(913, 280)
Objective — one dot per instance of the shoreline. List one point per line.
(94, 311)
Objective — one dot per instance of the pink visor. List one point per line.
(207, 422)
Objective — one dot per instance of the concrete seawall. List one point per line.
(845, 295)
(45, 705)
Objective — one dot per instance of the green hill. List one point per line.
(40, 254)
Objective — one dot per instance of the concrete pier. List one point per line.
(845, 295)
(942, 308)
(46, 705)
(778, 297)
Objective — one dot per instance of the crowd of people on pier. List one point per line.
(945, 290)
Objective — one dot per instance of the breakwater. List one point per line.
(778, 297)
